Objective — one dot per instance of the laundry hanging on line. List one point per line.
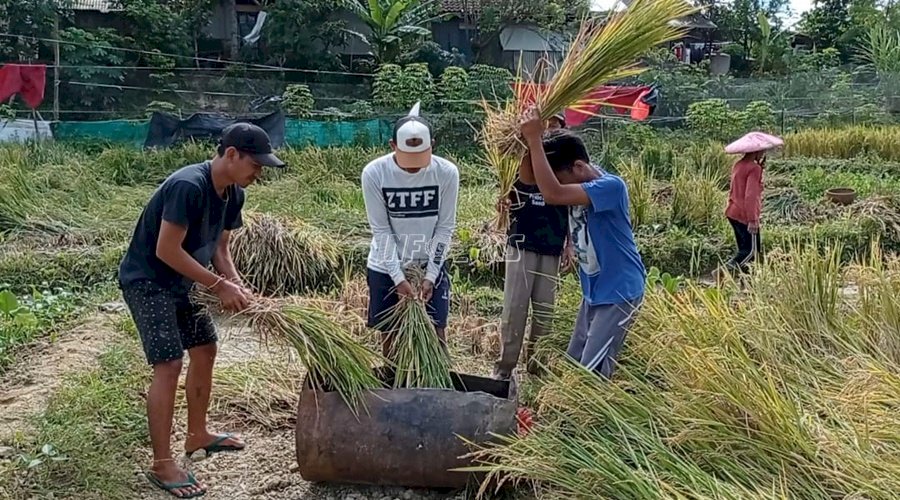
(27, 80)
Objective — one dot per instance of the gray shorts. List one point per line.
(600, 334)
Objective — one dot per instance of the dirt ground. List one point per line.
(267, 468)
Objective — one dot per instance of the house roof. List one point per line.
(530, 39)
(98, 5)
(460, 6)
(693, 21)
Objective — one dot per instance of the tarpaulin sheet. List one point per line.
(360, 133)
(639, 100)
(132, 132)
(167, 130)
(23, 130)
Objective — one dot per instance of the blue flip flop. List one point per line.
(171, 487)
(216, 447)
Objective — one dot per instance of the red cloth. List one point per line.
(745, 196)
(619, 98)
(27, 80)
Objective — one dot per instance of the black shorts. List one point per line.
(383, 296)
(168, 322)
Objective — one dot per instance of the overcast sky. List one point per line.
(798, 7)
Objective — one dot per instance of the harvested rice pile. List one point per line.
(789, 390)
(277, 257)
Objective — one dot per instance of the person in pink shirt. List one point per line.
(744, 207)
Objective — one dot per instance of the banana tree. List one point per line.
(391, 22)
(771, 40)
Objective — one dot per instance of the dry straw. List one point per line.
(604, 50)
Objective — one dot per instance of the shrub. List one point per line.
(398, 88)
(759, 115)
(490, 82)
(712, 119)
(298, 101)
(454, 90)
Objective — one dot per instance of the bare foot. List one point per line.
(195, 442)
(167, 472)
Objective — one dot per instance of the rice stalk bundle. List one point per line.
(415, 349)
(278, 258)
(334, 359)
(604, 50)
(506, 169)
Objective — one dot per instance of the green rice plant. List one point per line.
(659, 158)
(698, 203)
(415, 349)
(640, 191)
(277, 257)
(710, 160)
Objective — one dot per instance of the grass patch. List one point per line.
(95, 424)
(25, 318)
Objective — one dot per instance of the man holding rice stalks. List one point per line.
(537, 244)
(611, 272)
(410, 196)
(184, 228)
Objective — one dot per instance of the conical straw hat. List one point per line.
(753, 142)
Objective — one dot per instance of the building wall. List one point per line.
(449, 34)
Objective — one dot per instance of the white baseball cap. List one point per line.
(412, 137)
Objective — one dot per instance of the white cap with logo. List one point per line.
(412, 137)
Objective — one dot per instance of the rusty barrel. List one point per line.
(407, 437)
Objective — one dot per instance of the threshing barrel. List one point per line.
(405, 437)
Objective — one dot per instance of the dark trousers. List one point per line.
(749, 246)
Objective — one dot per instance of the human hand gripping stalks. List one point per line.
(332, 356)
(604, 50)
(416, 350)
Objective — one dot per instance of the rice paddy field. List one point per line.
(786, 385)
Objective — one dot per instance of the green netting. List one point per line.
(132, 132)
(358, 133)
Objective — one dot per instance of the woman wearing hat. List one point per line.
(745, 195)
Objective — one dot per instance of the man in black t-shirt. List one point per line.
(537, 241)
(184, 228)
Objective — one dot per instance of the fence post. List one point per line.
(782, 118)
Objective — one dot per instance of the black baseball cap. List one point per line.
(252, 140)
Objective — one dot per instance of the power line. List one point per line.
(182, 56)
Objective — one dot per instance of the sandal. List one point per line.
(215, 447)
(171, 487)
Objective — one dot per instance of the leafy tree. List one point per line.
(88, 52)
(34, 18)
(827, 22)
(738, 20)
(393, 23)
(771, 44)
(303, 33)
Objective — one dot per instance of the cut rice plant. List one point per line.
(787, 205)
(786, 389)
(333, 358)
(277, 257)
(415, 349)
(604, 50)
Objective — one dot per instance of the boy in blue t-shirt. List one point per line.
(611, 272)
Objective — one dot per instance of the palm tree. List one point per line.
(392, 22)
